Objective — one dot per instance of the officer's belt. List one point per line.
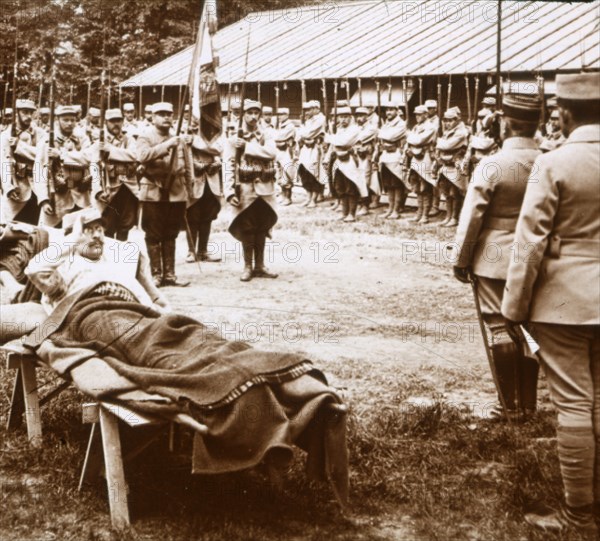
(503, 224)
(558, 247)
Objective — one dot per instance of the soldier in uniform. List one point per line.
(554, 284)
(118, 190)
(419, 144)
(451, 149)
(147, 121)
(71, 174)
(249, 178)
(364, 150)
(163, 205)
(348, 180)
(286, 162)
(266, 122)
(92, 124)
(17, 158)
(283, 118)
(485, 239)
(204, 197)
(130, 125)
(44, 119)
(432, 114)
(392, 116)
(391, 164)
(7, 118)
(310, 159)
(554, 137)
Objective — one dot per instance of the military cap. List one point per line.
(306, 105)
(267, 109)
(162, 107)
(26, 104)
(252, 104)
(420, 110)
(344, 110)
(284, 134)
(431, 104)
(392, 134)
(8, 111)
(579, 86)
(128, 106)
(525, 107)
(113, 114)
(148, 108)
(479, 142)
(489, 100)
(315, 103)
(361, 111)
(94, 111)
(452, 113)
(283, 111)
(342, 103)
(62, 110)
(78, 108)
(45, 111)
(555, 115)
(482, 113)
(552, 102)
(87, 216)
(186, 108)
(392, 105)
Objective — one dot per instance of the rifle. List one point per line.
(303, 96)
(468, 89)
(277, 106)
(89, 97)
(51, 161)
(405, 96)
(258, 95)
(420, 90)
(228, 104)
(541, 88)
(140, 104)
(4, 101)
(389, 85)
(240, 130)
(476, 104)
(439, 107)
(41, 91)
(102, 165)
(71, 95)
(347, 83)
(335, 107)
(449, 91)
(378, 86)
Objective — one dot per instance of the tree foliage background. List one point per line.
(126, 36)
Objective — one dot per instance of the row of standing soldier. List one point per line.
(357, 157)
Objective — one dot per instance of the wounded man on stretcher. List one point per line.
(111, 330)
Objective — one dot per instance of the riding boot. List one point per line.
(203, 236)
(260, 271)
(449, 210)
(419, 213)
(287, 196)
(352, 206)
(345, 207)
(155, 256)
(427, 199)
(248, 251)
(168, 259)
(458, 203)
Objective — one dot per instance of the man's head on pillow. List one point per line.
(84, 228)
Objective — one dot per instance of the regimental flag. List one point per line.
(203, 85)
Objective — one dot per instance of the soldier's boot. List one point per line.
(402, 203)
(449, 210)
(363, 207)
(260, 271)
(391, 203)
(155, 256)
(427, 199)
(248, 252)
(203, 236)
(506, 356)
(528, 380)
(287, 196)
(419, 213)
(168, 260)
(345, 207)
(458, 203)
(352, 206)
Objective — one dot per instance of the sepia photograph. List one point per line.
(299, 270)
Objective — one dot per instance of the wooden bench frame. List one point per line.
(25, 399)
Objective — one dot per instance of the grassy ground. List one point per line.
(374, 304)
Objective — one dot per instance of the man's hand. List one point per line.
(54, 153)
(47, 208)
(513, 328)
(104, 150)
(462, 274)
(187, 139)
(14, 194)
(238, 142)
(233, 201)
(13, 141)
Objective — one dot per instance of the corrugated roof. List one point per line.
(379, 38)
